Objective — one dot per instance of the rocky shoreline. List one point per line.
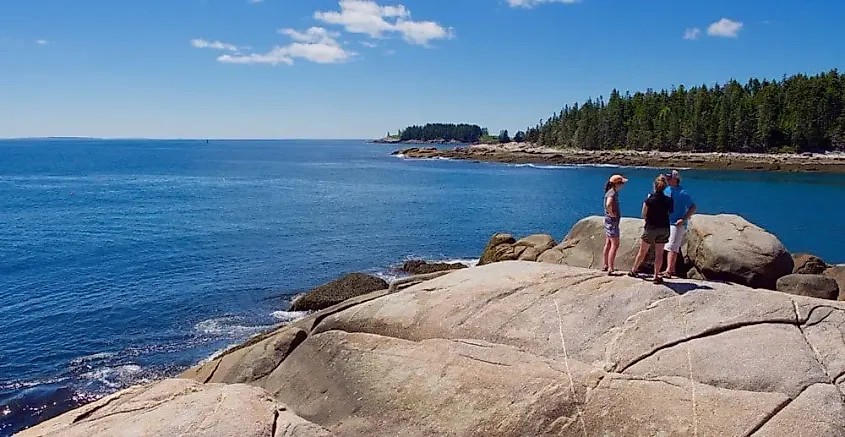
(523, 153)
(532, 341)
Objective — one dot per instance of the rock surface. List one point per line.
(818, 286)
(584, 245)
(420, 267)
(335, 292)
(806, 264)
(838, 274)
(503, 247)
(179, 407)
(729, 248)
(521, 348)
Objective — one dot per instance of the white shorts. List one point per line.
(676, 239)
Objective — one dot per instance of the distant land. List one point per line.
(794, 115)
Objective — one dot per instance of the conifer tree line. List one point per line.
(465, 133)
(796, 114)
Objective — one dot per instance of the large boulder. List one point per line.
(583, 246)
(523, 348)
(504, 247)
(729, 248)
(806, 264)
(838, 275)
(179, 407)
(818, 286)
(420, 267)
(335, 292)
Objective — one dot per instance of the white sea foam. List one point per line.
(92, 357)
(289, 316)
(226, 326)
(115, 377)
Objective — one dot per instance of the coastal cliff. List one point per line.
(533, 341)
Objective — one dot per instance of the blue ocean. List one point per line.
(124, 261)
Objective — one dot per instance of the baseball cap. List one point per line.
(616, 179)
(674, 174)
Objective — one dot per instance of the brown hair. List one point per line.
(608, 186)
(660, 184)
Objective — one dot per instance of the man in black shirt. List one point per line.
(656, 210)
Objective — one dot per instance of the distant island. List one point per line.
(793, 124)
(444, 133)
(797, 114)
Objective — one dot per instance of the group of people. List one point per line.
(666, 212)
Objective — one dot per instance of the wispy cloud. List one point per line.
(42, 42)
(692, 33)
(371, 45)
(369, 18)
(725, 28)
(215, 45)
(532, 3)
(315, 45)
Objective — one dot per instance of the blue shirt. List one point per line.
(682, 202)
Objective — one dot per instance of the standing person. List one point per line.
(656, 210)
(683, 208)
(612, 217)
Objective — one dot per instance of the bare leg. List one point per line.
(658, 260)
(614, 247)
(640, 256)
(671, 261)
(605, 264)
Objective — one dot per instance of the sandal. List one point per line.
(633, 274)
(658, 280)
(667, 275)
(604, 269)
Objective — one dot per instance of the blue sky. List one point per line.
(358, 68)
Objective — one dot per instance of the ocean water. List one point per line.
(124, 261)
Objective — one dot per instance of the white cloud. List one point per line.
(369, 18)
(371, 45)
(315, 45)
(42, 42)
(532, 3)
(692, 33)
(216, 45)
(313, 35)
(725, 28)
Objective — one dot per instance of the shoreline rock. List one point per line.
(421, 267)
(337, 291)
(523, 153)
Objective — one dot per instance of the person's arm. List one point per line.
(609, 207)
(690, 211)
(645, 210)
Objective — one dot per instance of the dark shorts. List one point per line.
(611, 226)
(656, 235)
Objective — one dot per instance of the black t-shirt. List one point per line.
(659, 208)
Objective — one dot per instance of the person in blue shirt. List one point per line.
(683, 208)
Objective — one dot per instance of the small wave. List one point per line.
(20, 385)
(289, 316)
(400, 155)
(226, 326)
(116, 377)
(93, 357)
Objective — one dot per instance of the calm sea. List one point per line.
(129, 260)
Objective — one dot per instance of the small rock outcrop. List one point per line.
(806, 264)
(180, 407)
(420, 267)
(504, 247)
(337, 291)
(838, 275)
(730, 248)
(818, 286)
